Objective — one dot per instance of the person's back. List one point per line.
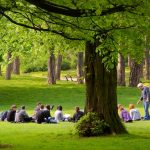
(58, 114)
(134, 113)
(46, 112)
(125, 116)
(11, 114)
(77, 115)
(40, 115)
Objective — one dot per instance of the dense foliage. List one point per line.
(91, 125)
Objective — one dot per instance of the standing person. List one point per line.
(11, 114)
(134, 113)
(77, 115)
(145, 97)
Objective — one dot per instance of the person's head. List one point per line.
(42, 106)
(140, 86)
(120, 107)
(23, 107)
(59, 107)
(39, 104)
(77, 108)
(13, 107)
(131, 106)
(47, 107)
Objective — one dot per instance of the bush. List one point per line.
(91, 125)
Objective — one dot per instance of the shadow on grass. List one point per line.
(5, 146)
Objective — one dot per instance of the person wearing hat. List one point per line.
(145, 97)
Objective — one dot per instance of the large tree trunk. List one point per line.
(0, 70)
(80, 74)
(58, 67)
(147, 64)
(135, 71)
(16, 66)
(9, 67)
(51, 69)
(121, 70)
(101, 89)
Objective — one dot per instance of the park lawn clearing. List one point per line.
(27, 90)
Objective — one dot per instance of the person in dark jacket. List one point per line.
(11, 114)
(77, 115)
(40, 115)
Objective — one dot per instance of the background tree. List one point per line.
(94, 22)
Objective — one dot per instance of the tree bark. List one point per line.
(58, 67)
(51, 69)
(129, 61)
(80, 74)
(134, 77)
(101, 89)
(9, 67)
(147, 64)
(0, 70)
(121, 70)
(16, 66)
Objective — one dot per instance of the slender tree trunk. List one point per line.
(80, 74)
(58, 67)
(121, 70)
(16, 66)
(101, 89)
(129, 61)
(51, 69)
(9, 67)
(0, 70)
(141, 70)
(147, 64)
(134, 78)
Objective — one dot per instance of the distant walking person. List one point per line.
(145, 97)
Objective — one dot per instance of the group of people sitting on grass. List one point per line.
(41, 115)
(132, 115)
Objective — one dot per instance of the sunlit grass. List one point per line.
(30, 89)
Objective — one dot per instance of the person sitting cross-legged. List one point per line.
(22, 116)
(124, 114)
(77, 115)
(11, 114)
(134, 113)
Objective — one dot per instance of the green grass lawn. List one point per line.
(28, 90)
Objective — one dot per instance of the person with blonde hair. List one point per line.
(124, 114)
(134, 113)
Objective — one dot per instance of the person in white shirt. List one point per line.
(134, 113)
(58, 114)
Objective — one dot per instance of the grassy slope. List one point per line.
(24, 90)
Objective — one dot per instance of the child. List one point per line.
(124, 114)
(134, 113)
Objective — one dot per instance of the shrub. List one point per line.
(91, 125)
